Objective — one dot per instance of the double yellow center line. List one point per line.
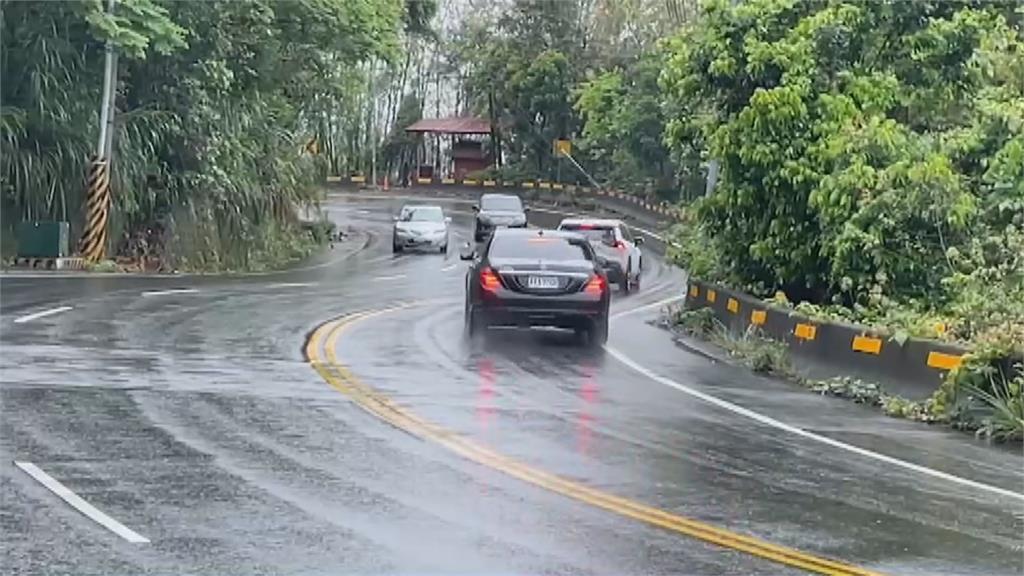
(321, 351)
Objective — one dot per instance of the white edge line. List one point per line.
(41, 314)
(81, 505)
(768, 420)
(449, 267)
(383, 278)
(292, 285)
(645, 307)
(167, 292)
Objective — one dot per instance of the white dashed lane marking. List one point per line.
(81, 505)
(169, 292)
(41, 314)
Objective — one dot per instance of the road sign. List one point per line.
(562, 147)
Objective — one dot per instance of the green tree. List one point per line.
(521, 70)
(216, 104)
(849, 138)
(623, 126)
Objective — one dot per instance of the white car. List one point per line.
(421, 227)
(617, 250)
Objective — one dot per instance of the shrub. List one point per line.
(760, 353)
(692, 249)
(1005, 405)
(855, 389)
(700, 322)
(103, 266)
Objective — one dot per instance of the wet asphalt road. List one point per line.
(194, 419)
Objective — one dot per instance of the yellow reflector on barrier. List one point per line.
(694, 291)
(944, 361)
(470, 182)
(528, 185)
(733, 305)
(448, 181)
(867, 344)
(805, 331)
(711, 295)
(423, 180)
(546, 185)
(490, 183)
(758, 317)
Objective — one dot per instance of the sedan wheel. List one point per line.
(474, 324)
(597, 336)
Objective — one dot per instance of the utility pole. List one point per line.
(109, 85)
(108, 142)
(373, 126)
(93, 244)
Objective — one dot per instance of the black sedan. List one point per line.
(527, 278)
(498, 211)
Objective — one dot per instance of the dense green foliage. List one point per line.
(216, 104)
(872, 170)
(623, 124)
(870, 152)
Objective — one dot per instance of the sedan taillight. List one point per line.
(489, 280)
(596, 285)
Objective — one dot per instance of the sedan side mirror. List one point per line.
(526, 209)
(447, 219)
(476, 208)
(394, 218)
(467, 252)
(639, 240)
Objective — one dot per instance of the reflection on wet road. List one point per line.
(192, 417)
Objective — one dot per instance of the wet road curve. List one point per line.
(186, 409)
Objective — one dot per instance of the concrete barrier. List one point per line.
(913, 369)
(533, 190)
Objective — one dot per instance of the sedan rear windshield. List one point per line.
(423, 214)
(591, 232)
(501, 203)
(538, 248)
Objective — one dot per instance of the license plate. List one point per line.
(542, 282)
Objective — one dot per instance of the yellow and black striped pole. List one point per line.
(97, 209)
